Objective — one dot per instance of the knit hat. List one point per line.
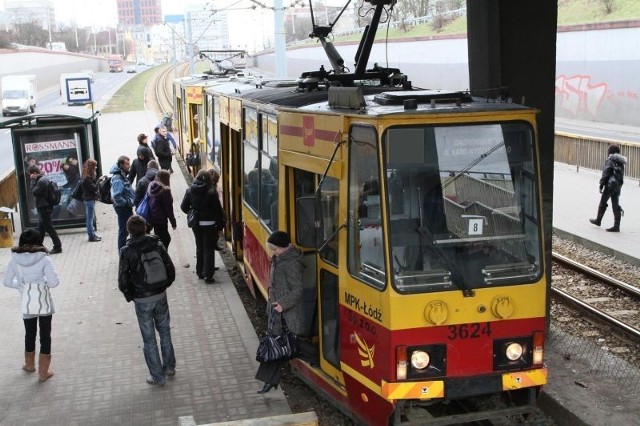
(141, 137)
(279, 239)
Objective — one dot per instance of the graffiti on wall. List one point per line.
(578, 94)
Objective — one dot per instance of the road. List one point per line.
(104, 86)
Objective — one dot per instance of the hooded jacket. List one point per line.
(613, 172)
(121, 190)
(143, 185)
(30, 264)
(160, 204)
(203, 198)
(130, 277)
(286, 289)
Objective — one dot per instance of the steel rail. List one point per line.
(632, 331)
(635, 291)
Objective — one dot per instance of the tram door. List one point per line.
(321, 292)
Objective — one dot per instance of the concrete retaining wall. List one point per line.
(47, 65)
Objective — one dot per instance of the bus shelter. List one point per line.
(58, 141)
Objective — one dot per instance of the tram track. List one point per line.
(605, 298)
(159, 90)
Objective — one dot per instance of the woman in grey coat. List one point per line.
(285, 297)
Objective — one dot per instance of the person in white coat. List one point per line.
(30, 264)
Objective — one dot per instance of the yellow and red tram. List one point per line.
(419, 216)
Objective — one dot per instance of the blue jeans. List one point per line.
(124, 213)
(89, 212)
(151, 317)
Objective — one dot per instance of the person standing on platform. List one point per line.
(163, 149)
(89, 196)
(143, 183)
(610, 187)
(144, 154)
(161, 207)
(203, 198)
(285, 298)
(122, 196)
(30, 265)
(40, 189)
(146, 283)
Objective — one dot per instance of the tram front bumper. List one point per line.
(464, 387)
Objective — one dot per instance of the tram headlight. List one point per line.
(513, 351)
(420, 360)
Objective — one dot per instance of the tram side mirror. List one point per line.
(306, 222)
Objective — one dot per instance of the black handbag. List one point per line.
(192, 218)
(193, 160)
(280, 347)
(77, 192)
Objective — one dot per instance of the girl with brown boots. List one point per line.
(31, 272)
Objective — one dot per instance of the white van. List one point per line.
(19, 94)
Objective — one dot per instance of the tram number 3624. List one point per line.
(469, 331)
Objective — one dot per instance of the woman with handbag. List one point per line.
(90, 196)
(285, 300)
(31, 271)
(201, 202)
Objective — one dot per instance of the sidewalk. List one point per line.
(96, 344)
(576, 199)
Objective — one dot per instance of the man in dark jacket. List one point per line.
(143, 183)
(144, 155)
(122, 196)
(610, 187)
(40, 191)
(163, 149)
(150, 299)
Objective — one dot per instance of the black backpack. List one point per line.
(104, 189)
(53, 194)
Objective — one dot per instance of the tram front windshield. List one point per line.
(462, 206)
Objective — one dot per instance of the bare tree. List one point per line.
(409, 9)
(5, 40)
(608, 6)
(31, 35)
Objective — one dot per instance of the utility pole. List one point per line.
(281, 47)
(190, 39)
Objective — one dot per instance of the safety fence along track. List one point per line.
(606, 298)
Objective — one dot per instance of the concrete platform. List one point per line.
(96, 344)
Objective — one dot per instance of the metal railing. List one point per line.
(591, 153)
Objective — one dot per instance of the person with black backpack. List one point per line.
(611, 186)
(144, 274)
(47, 195)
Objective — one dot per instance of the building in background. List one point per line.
(209, 28)
(139, 12)
(35, 12)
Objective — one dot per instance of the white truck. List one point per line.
(19, 94)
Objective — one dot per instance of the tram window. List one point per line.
(270, 135)
(269, 192)
(465, 216)
(330, 321)
(366, 242)
(251, 181)
(329, 195)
